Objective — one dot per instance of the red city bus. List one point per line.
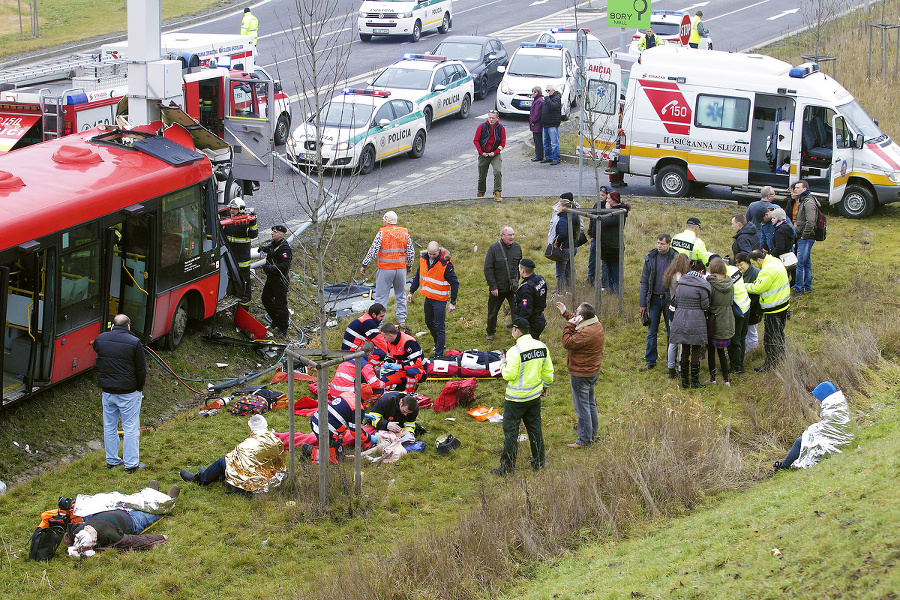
(99, 223)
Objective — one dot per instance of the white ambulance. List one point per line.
(747, 121)
(408, 18)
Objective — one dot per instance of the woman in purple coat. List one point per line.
(534, 124)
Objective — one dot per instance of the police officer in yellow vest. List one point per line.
(528, 372)
(741, 307)
(250, 25)
(772, 285)
(393, 248)
(437, 282)
(698, 30)
(688, 243)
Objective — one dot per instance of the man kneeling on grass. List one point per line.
(255, 465)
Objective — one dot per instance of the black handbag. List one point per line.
(645, 318)
(554, 252)
(582, 240)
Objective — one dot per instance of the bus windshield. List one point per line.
(860, 122)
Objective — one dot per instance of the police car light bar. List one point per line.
(538, 45)
(362, 92)
(666, 12)
(433, 57)
(568, 30)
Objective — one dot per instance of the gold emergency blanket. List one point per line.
(256, 463)
(835, 428)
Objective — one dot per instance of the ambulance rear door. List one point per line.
(250, 132)
(597, 138)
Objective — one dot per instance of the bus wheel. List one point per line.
(179, 325)
(857, 203)
(672, 182)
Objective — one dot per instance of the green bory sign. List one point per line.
(628, 13)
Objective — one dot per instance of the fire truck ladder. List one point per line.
(53, 113)
(63, 68)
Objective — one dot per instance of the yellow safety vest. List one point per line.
(741, 297)
(528, 370)
(695, 33)
(773, 286)
(250, 26)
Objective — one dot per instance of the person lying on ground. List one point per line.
(255, 465)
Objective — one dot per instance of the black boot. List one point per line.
(673, 373)
(188, 476)
(685, 374)
(695, 377)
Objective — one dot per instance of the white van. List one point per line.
(747, 121)
(404, 17)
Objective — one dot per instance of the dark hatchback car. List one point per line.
(481, 54)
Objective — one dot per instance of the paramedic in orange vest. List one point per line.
(405, 354)
(344, 380)
(393, 248)
(436, 281)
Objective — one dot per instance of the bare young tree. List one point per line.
(319, 53)
(815, 14)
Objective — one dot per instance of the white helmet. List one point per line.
(238, 204)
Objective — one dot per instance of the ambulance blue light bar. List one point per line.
(804, 70)
(538, 45)
(568, 30)
(433, 57)
(363, 92)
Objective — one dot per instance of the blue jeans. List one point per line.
(141, 520)
(657, 311)
(793, 454)
(803, 279)
(551, 144)
(585, 408)
(538, 137)
(216, 472)
(435, 315)
(564, 273)
(611, 276)
(128, 408)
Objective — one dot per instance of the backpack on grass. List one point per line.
(45, 540)
(249, 404)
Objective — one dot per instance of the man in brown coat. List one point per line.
(583, 340)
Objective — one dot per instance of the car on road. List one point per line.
(666, 25)
(440, 87)
(403, 17)
(535, 64)
(358, 128)
(482, 55)
(567, 37)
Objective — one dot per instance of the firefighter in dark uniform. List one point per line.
(531, 298)
(277, 269)
(239, 231)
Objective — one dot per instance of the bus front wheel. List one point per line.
(179, 325)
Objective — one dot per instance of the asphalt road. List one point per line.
(447, 170)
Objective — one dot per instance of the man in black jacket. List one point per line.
(501, 270)
(610, 241)
(551, 117)
(395, 412)
(278, 265)
(654, 295)
(121, 373)
(746, 236)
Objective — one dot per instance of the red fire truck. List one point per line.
(102, 222)
(44, 102)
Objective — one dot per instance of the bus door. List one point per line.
(27, 331)
(130, 248)
(250, 128)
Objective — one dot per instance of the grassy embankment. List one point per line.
(444, 528)
(67, 21)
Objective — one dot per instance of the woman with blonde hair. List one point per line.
(720, 320)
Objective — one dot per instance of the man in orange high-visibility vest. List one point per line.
(393, 248)
(436, 281)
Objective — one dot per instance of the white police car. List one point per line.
(568, 36)
(535, 64)
(357, 129)
(438, 86)
(667, 25)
